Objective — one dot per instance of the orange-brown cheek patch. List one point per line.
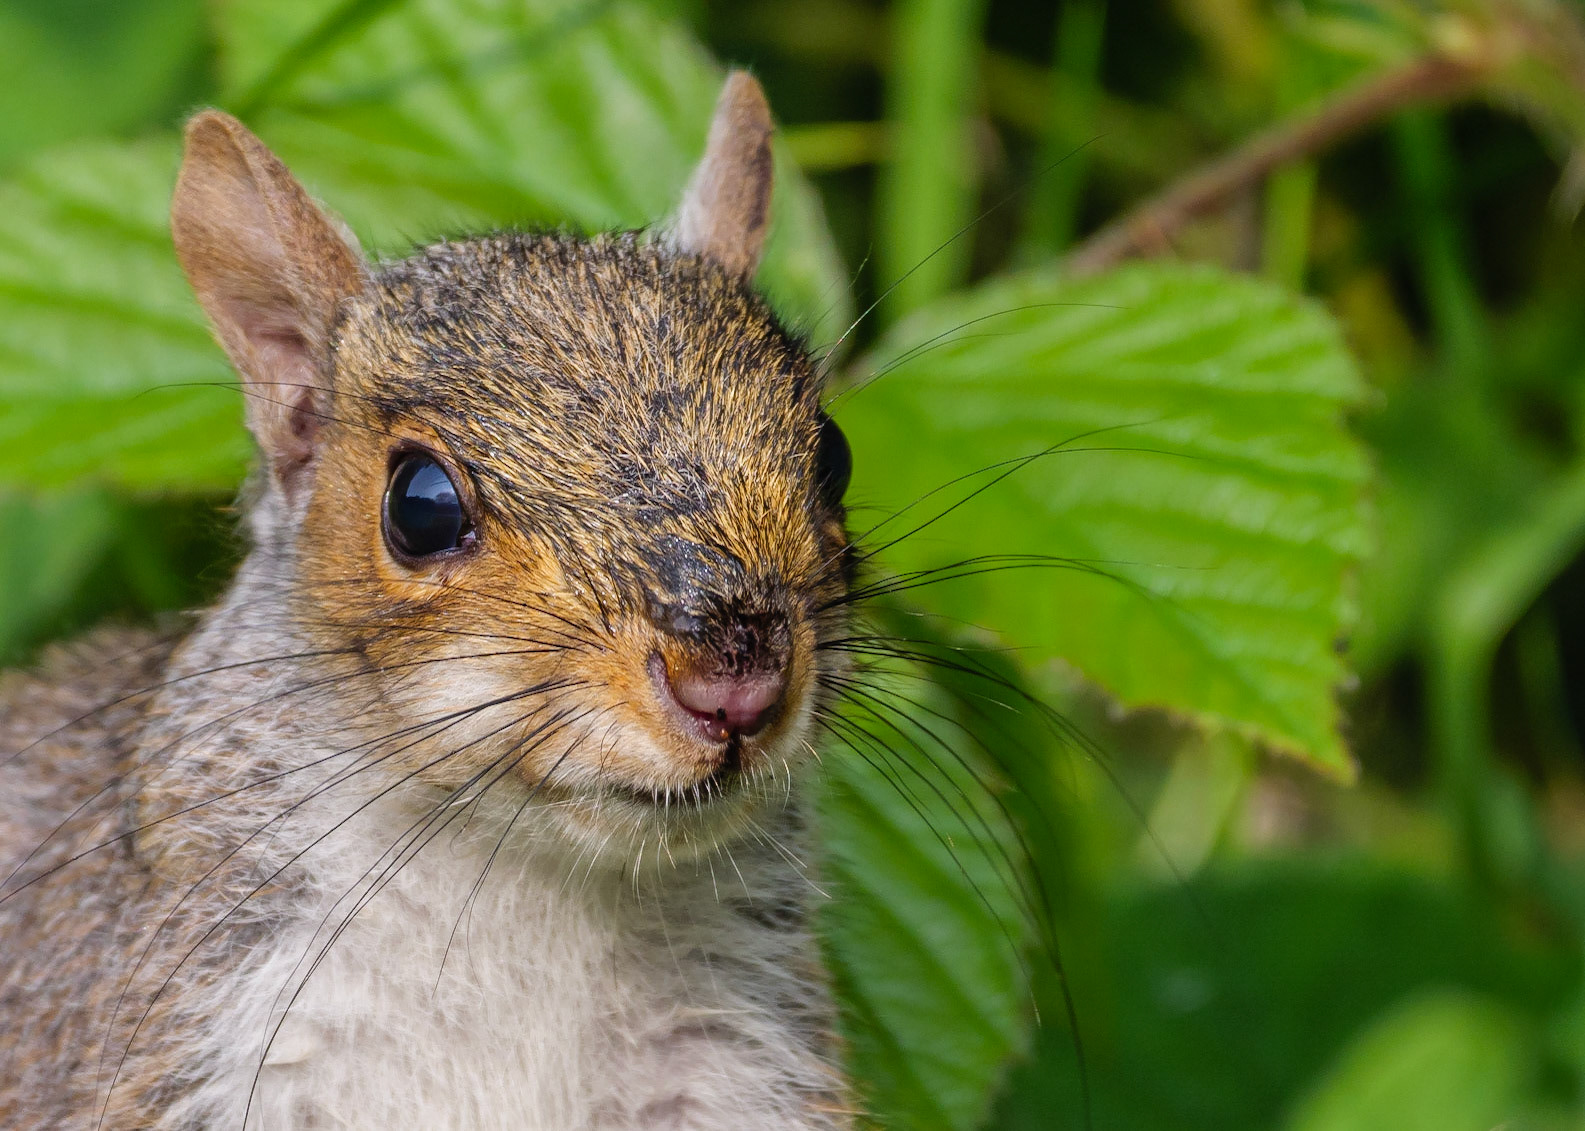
(478, 623)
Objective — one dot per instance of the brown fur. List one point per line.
(634, 437)
(72, 727)
(583, 494)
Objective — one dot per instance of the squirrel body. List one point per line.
(473, 804)
(559, 995)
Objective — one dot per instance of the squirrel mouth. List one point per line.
(721, 783)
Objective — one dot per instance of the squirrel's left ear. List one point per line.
(726, 207)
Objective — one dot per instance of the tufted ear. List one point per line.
(270, 270)
(726, 207)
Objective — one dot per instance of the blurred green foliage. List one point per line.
(1244, 942)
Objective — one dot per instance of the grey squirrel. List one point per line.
(473, 803)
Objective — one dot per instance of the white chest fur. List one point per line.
(542, 1000)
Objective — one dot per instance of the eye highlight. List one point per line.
(424, 515)
(833, 461)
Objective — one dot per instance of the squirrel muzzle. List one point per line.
(725, 643)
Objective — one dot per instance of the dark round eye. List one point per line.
(833, 461)
(423, 515)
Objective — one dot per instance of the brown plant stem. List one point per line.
(1149, 228)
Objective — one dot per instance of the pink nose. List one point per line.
(727, 705)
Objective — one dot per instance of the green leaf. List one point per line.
(163, 437)
(52, 545)
(1200, 515)
(74, 68)
(932, 908)
(1443, 1061)
(72, 559)
(106, 369)
(927, 192)
(1219, 1007)
(426, 117)
(423, 118)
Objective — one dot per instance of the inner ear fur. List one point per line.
(270, 270)
(725, 210)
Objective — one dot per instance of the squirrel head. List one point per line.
(571, 504)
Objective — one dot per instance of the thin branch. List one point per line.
(1149, 228)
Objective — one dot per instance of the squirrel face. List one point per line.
(572, 503)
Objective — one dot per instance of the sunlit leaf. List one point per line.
(1196, 521)
(164, 436)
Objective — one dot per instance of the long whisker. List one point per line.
(899, 722)
(405, 854)
(856, 737)
(960, 663)
(1005, 470)
(995, 207)
(214, 927)
(173, 681)
(984, 564)
(439, 726)
(1052, 944)
(951, 336)
(467, 905)
(108, 789)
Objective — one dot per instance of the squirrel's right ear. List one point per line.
(270, 270)
(725, 210)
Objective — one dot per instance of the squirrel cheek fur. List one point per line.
(502, 836)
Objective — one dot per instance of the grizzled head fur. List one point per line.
(628, 624)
